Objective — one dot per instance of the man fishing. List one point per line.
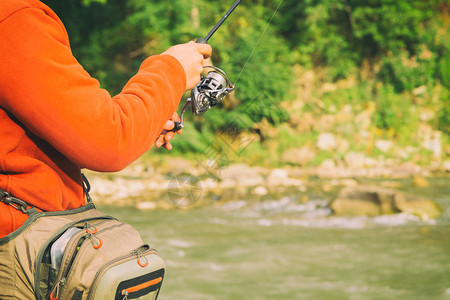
(55, 119)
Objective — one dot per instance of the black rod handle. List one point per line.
(201, 41)
(177, 126)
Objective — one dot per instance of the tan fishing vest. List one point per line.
(103, 258)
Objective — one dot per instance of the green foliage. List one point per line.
(341, 34)
(356, 96)
(88, 2)
(389, 48)
(402, 45)
(395, 113)
(405, 73)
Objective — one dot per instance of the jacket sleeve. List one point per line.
(49, 92)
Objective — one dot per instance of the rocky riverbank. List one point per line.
(179, 183)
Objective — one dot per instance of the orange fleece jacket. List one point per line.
(55, 119)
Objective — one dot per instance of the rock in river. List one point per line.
(373, 201)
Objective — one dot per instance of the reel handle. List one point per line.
(177, 127)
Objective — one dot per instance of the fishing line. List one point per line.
(259, 40)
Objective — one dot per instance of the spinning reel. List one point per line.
(211, 90)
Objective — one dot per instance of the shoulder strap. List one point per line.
(86, 188)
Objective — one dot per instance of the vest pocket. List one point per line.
(136, 275)
(97, 258)
(52, 271)
(101, 245)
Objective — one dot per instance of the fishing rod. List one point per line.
(212, 89)
(227, 14)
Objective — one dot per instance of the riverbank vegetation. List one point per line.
(319, 83)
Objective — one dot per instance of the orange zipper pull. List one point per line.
(141, 286)
(141, 259)
(56, 289)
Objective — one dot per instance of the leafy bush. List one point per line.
(396, 114)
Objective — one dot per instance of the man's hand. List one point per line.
(191, 57)
(166, 135)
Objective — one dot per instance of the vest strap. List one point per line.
(18, 204)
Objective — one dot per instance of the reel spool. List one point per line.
(209, 92)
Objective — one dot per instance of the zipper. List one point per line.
(66, 264)
(40, 255)
(84, 246)
(139, 287)
(60, 283)
(137, 253)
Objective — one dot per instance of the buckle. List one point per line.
(18, 204)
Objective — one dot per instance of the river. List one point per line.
(287, 249)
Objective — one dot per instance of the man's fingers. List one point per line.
(169, 125)
(168, 146)
(168, 136)
(159, 141)
(175, 117)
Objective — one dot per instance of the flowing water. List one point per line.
(283, 248)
